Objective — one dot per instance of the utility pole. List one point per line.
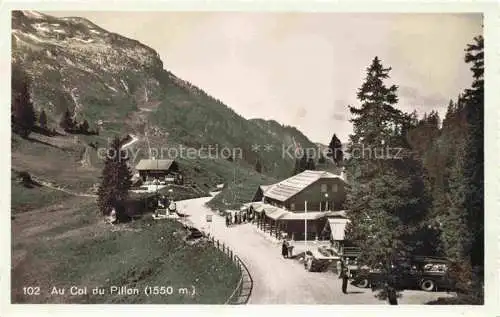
(305, 224)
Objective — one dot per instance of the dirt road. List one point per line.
(278, 280)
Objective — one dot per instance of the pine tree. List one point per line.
(335, 150)
(463, 229)
(67, 122)
(449, 111)
(455, 233)
(23, 114)
(387, 199)
(43, 120)
(84, 126)
(115, 180)
(474, 167)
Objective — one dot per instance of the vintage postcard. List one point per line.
(319, 154)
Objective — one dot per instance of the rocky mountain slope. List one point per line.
(122, 85)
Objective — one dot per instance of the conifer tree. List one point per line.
(84, 126)
(23, 114)
(474, 167)
(335, 150)
(115, 180)
(387, 200)
(67, 122)
(463, 221)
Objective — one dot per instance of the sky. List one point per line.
(304, 69)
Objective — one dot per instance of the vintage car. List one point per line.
(319, 259)
(428, 274)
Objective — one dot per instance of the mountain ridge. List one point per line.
(122, 86)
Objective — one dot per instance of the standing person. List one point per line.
(290, 249)
(227, 221)
(344, 274)
(235, 218)
(391, 295)
(284, 248)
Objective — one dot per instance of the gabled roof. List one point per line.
(265, 187)
(154, 165)
(290, 187)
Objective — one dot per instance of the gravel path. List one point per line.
(278, 280)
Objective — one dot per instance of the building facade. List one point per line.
(159, 170)
(305, 200)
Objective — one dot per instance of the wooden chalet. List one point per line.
(281, 207)
(161, 170)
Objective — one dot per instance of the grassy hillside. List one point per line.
(24, 199)
(67, 244)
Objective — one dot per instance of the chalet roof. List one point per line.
(290, 187)
(161, 165)
(276, 213)
(265, 187)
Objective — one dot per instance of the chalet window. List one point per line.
(324, 188)
(292, 206)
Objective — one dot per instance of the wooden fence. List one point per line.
(243, 289)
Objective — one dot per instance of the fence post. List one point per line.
(217, 244)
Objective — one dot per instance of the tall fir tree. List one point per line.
(115, 180)
(475, 149)
(463, 225)
(67, 122)
(335, 150)
(387, 199)
(23, 116)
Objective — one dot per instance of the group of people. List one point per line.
(286, 248)
(238, 218)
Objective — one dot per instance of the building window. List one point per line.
(335, 188)
(324, 188)
(292, 206)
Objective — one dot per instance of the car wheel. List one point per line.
(427, 285)
(363, 283)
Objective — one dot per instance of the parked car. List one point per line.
(319, 259)
(428, 274)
